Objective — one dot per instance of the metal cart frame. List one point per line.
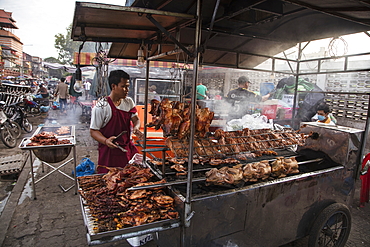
(255, 198)
(23, 146)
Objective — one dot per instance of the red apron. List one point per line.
(114, 157)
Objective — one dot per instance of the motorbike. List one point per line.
(18, 114)
(9, 131)
(31, 107)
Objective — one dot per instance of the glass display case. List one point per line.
(158, 89)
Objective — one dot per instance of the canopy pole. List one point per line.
(296, 87)
(186, 238)
(146, 101)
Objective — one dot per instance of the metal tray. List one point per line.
(54, 129)
(128, 232)
(25, 141)
(51, 153)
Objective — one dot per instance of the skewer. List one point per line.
(164, 184)
(200, 179)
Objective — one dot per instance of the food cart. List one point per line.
(263, 213)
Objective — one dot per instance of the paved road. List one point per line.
(54, 218)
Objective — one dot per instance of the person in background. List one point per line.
(62, 91)
(243, 100)
(242, 93)
(43, 91)
(152, 94)
(323, 115)
(201, 91)
(111, 116)
(87, 86)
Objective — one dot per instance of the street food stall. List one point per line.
(261, 187)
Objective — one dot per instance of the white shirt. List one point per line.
(87, 85)
(102, 112)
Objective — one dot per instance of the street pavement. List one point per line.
(55, 218)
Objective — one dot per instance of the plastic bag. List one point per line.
(86, 167)
(44, 108)
(55, 105)
(137, 159)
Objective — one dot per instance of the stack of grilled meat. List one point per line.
(252, 172)
(222, 143)
(46, 138)
(114, 207)
(174, 118)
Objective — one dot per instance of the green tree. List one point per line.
(66, 46)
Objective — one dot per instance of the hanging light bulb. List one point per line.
(140, 58)
(78, 87)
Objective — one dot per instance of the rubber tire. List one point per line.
(35, 111)
(27, 126)
(316, 232)
(17, 129)
(8, 139)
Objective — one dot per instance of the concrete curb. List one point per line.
(11, 204)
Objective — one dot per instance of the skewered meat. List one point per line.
(252, 172)
(178, 168)
(184, 129)
(114, 210)
(157, 162)
(179, 147)
(277, 168)
(215, 162)
(224, 175)
(174, 118)
(203, 121)
(138, 194)
(45, 139)
(63, 130)
(178, 161)
(154, 107)
(291, 165)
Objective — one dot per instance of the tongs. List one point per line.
(116, 139)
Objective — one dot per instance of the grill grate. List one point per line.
(237, 142)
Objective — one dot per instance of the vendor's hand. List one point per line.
(138, 133)
(109, 142)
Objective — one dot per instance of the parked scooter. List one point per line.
(18, 114)
(9, 131)
(31, 107)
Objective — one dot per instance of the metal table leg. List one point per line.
(74, 168)
(33, 177)
(54, 169)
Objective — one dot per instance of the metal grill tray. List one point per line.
(70, 136)
(128, 232)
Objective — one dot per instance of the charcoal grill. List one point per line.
(246, 212)
(53, 154)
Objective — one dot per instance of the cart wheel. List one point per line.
(331, 227)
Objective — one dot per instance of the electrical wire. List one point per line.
(335, 46)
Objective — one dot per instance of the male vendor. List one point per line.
(109, 118)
